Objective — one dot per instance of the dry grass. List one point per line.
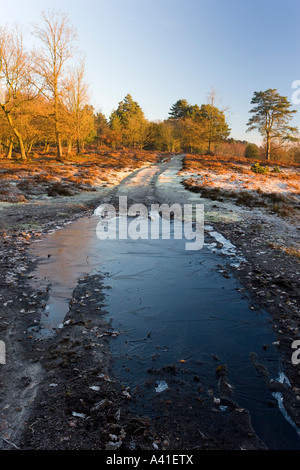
(288, 250)
(44, 174)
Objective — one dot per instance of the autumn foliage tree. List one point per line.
(35, 123)
(6, 137)
(215, 127)
(17, 84)
(80, 116)
(162, 136)
(43, 101)
(198, 127)
(57, 36)
(102, 129)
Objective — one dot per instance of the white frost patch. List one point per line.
(245, 180)
(227, 248)
(161, 386)
(279, 397)
(283, 379)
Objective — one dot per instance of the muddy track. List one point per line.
(52, 378)
(140, 186)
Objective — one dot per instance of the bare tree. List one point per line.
(217, 128)
(77, 100)
(57, 36)
(16, 78)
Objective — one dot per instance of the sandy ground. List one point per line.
(48, 395)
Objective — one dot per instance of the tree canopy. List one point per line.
(129, 123)
(197, 126)
(215, 126)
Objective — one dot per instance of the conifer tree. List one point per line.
(270, 116)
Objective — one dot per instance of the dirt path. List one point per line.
(49, 397)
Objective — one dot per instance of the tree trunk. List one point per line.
(210, 134)
(46, 147)
(58, 141)
(17, 134)
(268, 146)
(69, 148)
(30, 147)
(79, 148)
(10, 149)
(57, 126)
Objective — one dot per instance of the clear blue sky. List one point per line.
(160, 51)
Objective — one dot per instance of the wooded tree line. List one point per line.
(44, 101)
(44, 94)
(189, 127)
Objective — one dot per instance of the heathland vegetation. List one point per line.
(45, 105)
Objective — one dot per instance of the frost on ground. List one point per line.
(273, 196)
(239, 175)
(43, 177)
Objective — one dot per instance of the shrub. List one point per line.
(244, 198)
(252, 151)
(58, 189)
(256, 168)
(276, 169)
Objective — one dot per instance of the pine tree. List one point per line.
(180, 109)
(271, 115)
(129, 119)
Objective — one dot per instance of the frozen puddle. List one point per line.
(174, 309)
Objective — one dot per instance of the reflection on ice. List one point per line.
(170, 305)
